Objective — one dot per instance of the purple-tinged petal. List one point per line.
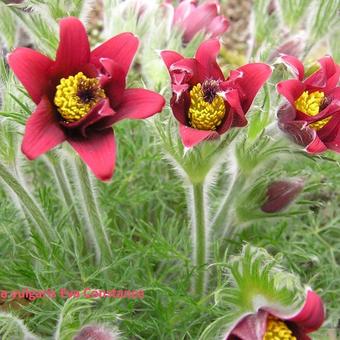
(282, 193)
(139, 104)
(100, 117)
(252, 326)
(32, 69)
(98, 151)
(113, 81)
(294, 64)
(191, 137)
(180, 107)
(74, 48)
(121, 49)
(236, 110)
(303, 135)
(206, 55)
(42, 132)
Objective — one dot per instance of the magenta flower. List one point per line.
(312, 115)
(281, 193)
(80, 95)
(96, 332)
(205, 103)
(193, 18)
(269, 324)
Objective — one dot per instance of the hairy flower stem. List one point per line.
(200, 237)
(221, 222)
(43, 227)
(96, 227)
(64, 188)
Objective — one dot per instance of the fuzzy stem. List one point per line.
(41, 223)
(64, 188)
(200, 235)
(96, 228)
(221, 222)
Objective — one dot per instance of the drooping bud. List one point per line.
(281, 193)
(96, 332)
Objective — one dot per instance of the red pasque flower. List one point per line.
(193, 18)
(312, 115)
(80, 95)
(205, 103)
(281, 193)
(269, 324)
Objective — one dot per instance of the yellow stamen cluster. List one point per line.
(204, 115)
(309, 103)
(76, 96)
(277, 330)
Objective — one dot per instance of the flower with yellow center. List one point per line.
(76, 96)
(310, 103)
(277, 330)
(205, 113)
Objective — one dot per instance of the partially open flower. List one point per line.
(312, 115)
(271, 324)
(205, 103)
(80, 95)
(281, 193)
(95, 332)
(193, 18)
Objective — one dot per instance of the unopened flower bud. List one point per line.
(96, 332)
(281, 193)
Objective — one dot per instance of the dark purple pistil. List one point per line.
(210, 89)
(86, 95)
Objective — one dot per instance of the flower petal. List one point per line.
(198, 20)
(191, 137)
(326, 77)
(218, 26)
(113, 81)
(100, 117)
(31, 68)
(170, 57)
(294, 64)
(252, 78)
(74, 48)
(183, 10)
(98, 151)
(139, 104)
(180, 107)
(291, 89)
(42, 132)
(312, 314)
(121, 49)
(252, 326)
(303, 135)
(206, 55)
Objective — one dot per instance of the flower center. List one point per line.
(207, 109)
(310, 104)
(277, 330)
(76, 96)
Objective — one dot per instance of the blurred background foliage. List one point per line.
(144, 207)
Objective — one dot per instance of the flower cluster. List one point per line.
(81, 94)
